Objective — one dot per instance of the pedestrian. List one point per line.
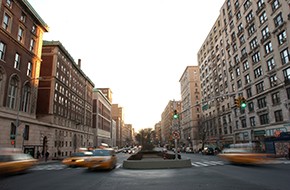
(38, 154)
(46, 155)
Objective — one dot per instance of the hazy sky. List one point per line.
(138, 48)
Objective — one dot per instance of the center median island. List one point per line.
(155, 160)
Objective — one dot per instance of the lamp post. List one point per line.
(17, 122)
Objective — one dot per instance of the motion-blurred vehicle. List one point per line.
(208, 151)
(77, 159)
(14, 161)
(101, 159)
(247, 153)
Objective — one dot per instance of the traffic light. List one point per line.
(175, 115)
(243, 103)
(237, 102)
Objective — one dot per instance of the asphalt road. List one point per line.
(204, 176)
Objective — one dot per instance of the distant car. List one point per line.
(189, 150)
(208, 151)
(77, 159)
(15, 162)
(101, 159)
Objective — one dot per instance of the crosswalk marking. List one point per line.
(207, 163)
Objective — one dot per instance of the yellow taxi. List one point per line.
(77, 159)
(14, 161)
(103, 158)
(246, 153)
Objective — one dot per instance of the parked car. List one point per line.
(77, 159)
(15, 162)
(208, 151)
(101, 159)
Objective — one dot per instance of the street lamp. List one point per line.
(17, 122)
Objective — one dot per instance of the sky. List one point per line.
(137, 48)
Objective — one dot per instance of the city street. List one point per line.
(207, 172)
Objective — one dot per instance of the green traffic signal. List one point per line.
(243, 105)
(175, 115)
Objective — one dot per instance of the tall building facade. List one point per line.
(65, 96)
(21, 34)
(167, 121)
(190, 106)
(102, 118)
(246, 54)
(118, 116)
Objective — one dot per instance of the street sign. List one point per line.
(176, 135)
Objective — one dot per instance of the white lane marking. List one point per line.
(200, 163)
(196, 165)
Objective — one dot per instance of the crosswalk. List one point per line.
(208, 163)
(58, 167)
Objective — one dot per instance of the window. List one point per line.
(258, 72)
(23, 17)
(276, 98)
(265, 33)
(12, 131)
(249, 92)
(9, 3)
(249, 17)
(285, 56)
(268, 48)
(26, 98)
(253, 43)
(20, 34)
(278, 115)
(247, 5)
(251, 106)
(244, 123)
(33, 29)
(238, 72)
(263, 17)
(260, 87)
(29, 69)
(260, 3)
(251, 30)
(273, 80)
(242, 40)
(253, 121)
(239, 15)
(26, 133)
(275, 5)
(262, 103)
(278, 20)
(246, 65)
(247, 79)
(6, 24)
(256, 57)
(12, 93)
(240, 27)
(237, 60)
(264, 119)
(282, 37)
(2, 50)
(239, 83)
(271, 64)
(286, 74)
(17, 61)
(32, 44)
